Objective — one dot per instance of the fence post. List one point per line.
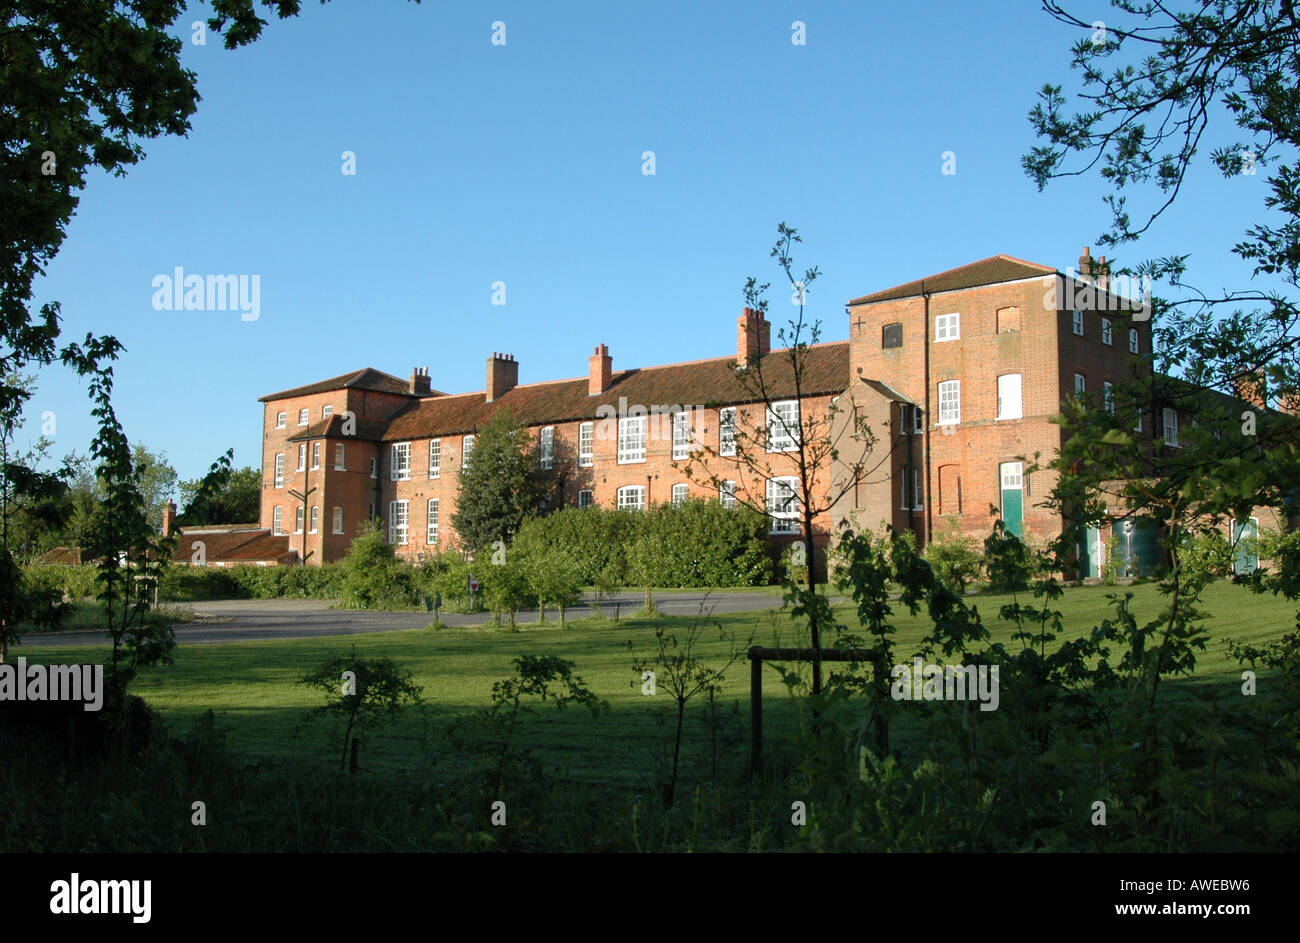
(755, 710)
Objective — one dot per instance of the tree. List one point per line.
(132, 555)
(677, 665)
(502, 484)
(817, 441)
(29, 502)
(1144, 123)
(366, 691)
(237, 501)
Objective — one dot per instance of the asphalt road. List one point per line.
(246, 620)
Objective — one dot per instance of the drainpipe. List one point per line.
(929, 490)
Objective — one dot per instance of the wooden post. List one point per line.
(758, 655)
(755, 710)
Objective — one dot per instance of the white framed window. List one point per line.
(326, 412)
(727, 431)
(277, 520)
(547, 447)
(315, 455)
(374, 472)
(432, 536)
(339, 454)
(370, 511)
(1010, 403)
(783, 504)
(1080, 384)
(1137, 427)
(918, 490)
(1171, 427)
(435, 458)
(727, 494)
(783, 426)
(584, 499)
(631, 439)
(466, 449)
(680, 494)
(631, 497)
(904, 485)
(681, 436)
(399, 468)
(918, 420)
(1012, 476)
(1077, 321)
(279, 469)
(949, 402)
(337, 527)
(1106, 335)
(1133, 340)
(315, 518)
(1108, 396)
(302, 416)
(397, 522)
(279, 420)
(302, 456)
(297, 519)
(947, 327)
(586, 444)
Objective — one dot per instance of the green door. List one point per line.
(1013, 500)
(1090, 554)
(1245, 554)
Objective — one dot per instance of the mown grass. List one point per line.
(253, 691)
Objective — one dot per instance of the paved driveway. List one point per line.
(244, 620)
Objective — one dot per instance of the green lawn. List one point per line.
(252, 689)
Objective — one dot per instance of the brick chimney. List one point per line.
(1252, 389)
(502, 375)
(1085, 262)
(169, 518)
(420, 380)
(1103, 274)
(754, 337)
(600, 367)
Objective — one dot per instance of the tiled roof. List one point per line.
(60, 556)
(332, 428)
(367, 378)
(228, 545)
(699, 383)
(990, 271)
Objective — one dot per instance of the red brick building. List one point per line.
(368, 445)
(957, 376)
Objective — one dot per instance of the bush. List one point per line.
(78, 582)
(954, 557)
(1207, 553)
(373, 577)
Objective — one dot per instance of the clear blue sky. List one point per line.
(522, 163)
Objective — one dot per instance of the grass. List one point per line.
(252, 686)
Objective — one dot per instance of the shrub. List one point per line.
(1207, 554)
(78, 582)
(373, 577)
(954, 557)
